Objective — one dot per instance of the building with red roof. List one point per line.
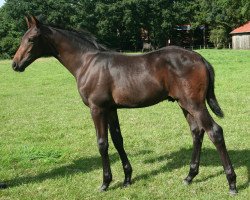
(241, 37)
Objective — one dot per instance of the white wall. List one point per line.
(241, 41)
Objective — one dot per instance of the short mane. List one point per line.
(83, 38)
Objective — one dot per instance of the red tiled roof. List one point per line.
(242, 29)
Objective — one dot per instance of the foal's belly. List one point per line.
(139, 96)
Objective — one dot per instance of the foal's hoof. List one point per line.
(3, 186)
(187, 181)
(103, 188)
(127, 184)
(233, 192)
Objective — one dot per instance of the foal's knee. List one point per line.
(216, 134)
(102, 145)
(195, 129)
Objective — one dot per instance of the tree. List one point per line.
(222, 16)
(117, 23)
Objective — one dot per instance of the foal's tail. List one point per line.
(211, 98)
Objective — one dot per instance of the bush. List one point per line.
(8, 47)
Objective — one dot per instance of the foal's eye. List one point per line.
(31, 40)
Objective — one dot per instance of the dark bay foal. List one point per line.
(107, 81)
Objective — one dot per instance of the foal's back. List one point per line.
(144, 80)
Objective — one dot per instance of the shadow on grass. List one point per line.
(209, 157)
(173, 160)
(82, 165)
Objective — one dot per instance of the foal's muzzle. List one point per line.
(17, 68)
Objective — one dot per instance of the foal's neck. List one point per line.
(67, 51)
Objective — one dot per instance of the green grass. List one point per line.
(49, 151)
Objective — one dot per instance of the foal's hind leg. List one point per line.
(117, 139)
(197, 135)
(215, 133)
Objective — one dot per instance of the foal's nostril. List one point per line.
(14, 65)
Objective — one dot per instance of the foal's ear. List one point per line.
(35, 21)
(27, 19)
(32, 21)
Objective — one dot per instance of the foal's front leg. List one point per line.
(99, 116)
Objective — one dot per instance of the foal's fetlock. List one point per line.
(231, 178)
(233, 191)
(232, 188)
(128, 174)
(106, 183)
(127, 182)
(104, 187)
(187, 180)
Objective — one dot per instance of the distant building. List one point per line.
(241, 37)
(188, 36)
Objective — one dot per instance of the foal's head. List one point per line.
(31, 47)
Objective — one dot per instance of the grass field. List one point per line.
(49, 151)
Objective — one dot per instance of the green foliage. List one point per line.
(222, 16)
(48, 142)
(218, 37)
(117, 23)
